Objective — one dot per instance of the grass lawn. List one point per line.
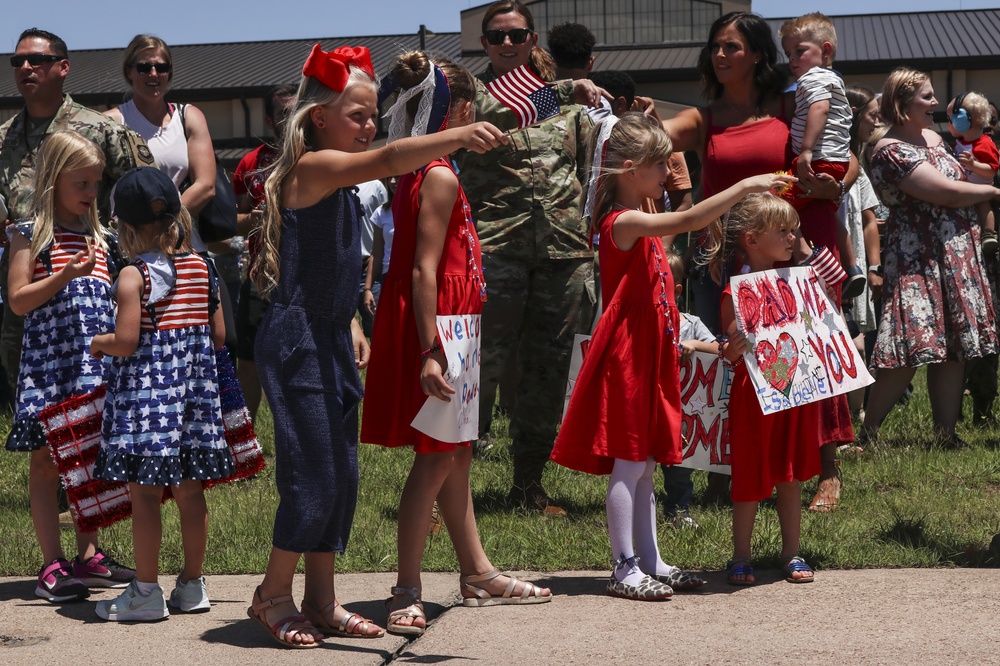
(907, 504)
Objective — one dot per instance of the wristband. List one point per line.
(843, 189)
(427, 353)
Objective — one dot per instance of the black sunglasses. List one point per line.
(33, 59)
(517, 36)
(147, 67)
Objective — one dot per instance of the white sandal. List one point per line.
(414, 610)
(530, 593)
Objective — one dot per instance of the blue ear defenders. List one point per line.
(960, 117)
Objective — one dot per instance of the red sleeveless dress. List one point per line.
(392, 387)
(626, 402)
(734, 153)
(771, 449)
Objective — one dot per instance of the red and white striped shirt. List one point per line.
(186, 304)
(65, 245)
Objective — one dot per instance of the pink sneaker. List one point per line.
(57, 584)
(102, 571)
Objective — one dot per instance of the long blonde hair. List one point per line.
(635, 137)
(298, 139)
(754, 214)
(60, 152)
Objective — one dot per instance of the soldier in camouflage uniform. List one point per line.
(42, 64)
(526, 199)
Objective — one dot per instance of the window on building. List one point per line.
(622, 22)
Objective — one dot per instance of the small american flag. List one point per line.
(524, 93)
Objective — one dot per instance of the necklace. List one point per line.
(744, 110)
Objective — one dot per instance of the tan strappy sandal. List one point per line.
(286, 628)
(352, 626)
(530, 593)
(414, 610)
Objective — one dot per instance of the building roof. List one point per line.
(223, 71)
(968, 39)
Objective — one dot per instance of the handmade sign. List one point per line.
(581, 343)
(458, 419)
(705, 383)
(73, 431)
(799, 350)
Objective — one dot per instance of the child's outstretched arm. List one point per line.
(438, 194)
(333, 169)
(25, 295)
(633, 225)
(125, 339)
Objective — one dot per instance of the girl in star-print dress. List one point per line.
(59, 281)
(162, 415)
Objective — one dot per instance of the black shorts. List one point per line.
(248, 317)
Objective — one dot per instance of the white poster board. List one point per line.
(581, 343)
(799, 350)
(458, 419)
(705, 383)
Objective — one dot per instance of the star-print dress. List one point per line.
(55, 357)
(162, 415)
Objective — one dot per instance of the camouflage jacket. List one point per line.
(527, 196)
(123, 150)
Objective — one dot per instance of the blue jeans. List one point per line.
(679, 487)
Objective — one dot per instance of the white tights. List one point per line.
(631, 509)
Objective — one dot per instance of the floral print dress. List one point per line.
(936, 302)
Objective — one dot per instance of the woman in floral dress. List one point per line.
(937, 308)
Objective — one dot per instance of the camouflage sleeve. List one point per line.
(125, 150)
(564, 91)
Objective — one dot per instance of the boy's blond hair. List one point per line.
(815, 27)
(978, 108)
(676, 263)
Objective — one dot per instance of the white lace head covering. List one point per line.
(432, 100)
(597, 166)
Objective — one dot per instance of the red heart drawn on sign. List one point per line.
(778, 365)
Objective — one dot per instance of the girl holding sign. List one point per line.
(625, 412)
(309, 345)
(435, 271)
(781, 449)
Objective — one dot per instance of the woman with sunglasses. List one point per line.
(526, 198)
(177, 135)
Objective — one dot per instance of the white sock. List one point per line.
(645, 524)
(145, 589)
(620, 504)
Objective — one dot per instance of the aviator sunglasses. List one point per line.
(147, 67)
(33, 59)
(517, 36)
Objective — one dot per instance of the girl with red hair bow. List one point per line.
(309, 345)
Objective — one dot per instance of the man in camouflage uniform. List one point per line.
(41, 63)
(526, 198)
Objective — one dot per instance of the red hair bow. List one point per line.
(334, 68)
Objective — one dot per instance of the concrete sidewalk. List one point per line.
(898, 616)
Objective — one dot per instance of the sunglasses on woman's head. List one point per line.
(517, 36)
(147, 67)
(33, 59)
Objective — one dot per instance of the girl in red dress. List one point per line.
(778, 450)
(435, 269)
(625, 412)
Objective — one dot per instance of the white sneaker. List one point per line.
(131, 606)
(190, 597)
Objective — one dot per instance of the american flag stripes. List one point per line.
(527, 95)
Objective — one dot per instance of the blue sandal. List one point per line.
(739, 566)
(795, 564)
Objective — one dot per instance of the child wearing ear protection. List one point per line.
(968, 116)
